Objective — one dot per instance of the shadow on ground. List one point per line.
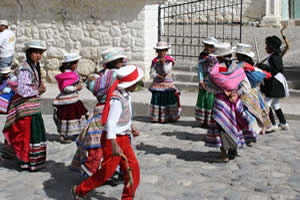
(62, 180)
(186, 136)
(211, 156)
(146, 119)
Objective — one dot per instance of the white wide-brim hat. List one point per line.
(131, 72)
(35, 44)
(112, 54)
(5, 70)
(210, 40)
(244, 49)
(70, 57)
(222, 49)
(4, 22)
(162, 45)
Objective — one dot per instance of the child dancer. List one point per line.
(226, 131)
(6, 92)
(115, 141)
(205, 99)
(69, 112)
(252, 98)
(24, 127)
(89, 151)
(276, 87)
(165, 105)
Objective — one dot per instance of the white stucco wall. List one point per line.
(253, 10)
(87, 26)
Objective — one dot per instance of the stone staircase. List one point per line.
(186, 78)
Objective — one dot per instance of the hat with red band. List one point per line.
(126, 77)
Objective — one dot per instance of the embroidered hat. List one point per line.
(210, 40)
(274, 43)
(112, 54)
(70, 57)
(227, 80)
(126, 77)
(244, 49)
(35, 44)
(4, 22)
(222, 49)
(162, 45)
(5, 70)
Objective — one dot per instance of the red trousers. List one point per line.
(109, 165)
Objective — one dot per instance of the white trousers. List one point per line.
(273, 103)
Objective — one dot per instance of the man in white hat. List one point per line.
(7, 44)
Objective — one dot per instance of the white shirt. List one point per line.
(112, 127)
(7, 43)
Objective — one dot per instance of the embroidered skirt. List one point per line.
(27, 137)
(70, 119)
(204, 106)
(165, 106)
(89, 153)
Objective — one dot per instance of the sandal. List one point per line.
(75, 196)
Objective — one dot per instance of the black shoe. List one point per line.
(115, 180)
(232, 153)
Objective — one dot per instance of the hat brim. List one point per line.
(163, 47)
(122, 86)
(35, 47)
(251, 54)
(5, 72)
(72, 60)
(223, 54)
(112, 59)
(208, 42)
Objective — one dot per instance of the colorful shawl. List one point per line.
(230, 116)
(66, 79)
(21, 107)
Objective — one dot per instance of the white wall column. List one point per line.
(272, 13)
(150, 35)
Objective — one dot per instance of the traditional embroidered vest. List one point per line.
(20, 106)
(126, 111)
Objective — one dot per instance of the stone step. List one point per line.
(188, 73)
(181, 85)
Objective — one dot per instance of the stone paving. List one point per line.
(175, 165)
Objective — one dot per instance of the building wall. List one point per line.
(86, 26)
(253, 10)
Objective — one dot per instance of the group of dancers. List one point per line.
(229, 105)
(236, 96)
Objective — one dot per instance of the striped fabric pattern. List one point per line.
(164, 106)
(38, 145)
(224, 113)
(4, 101)
(65, 99)
(204, 106)
(21, 107)
(89, 138)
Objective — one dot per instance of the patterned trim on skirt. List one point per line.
(165, 106)
(204, 106)
(27, 138)
(70, 119)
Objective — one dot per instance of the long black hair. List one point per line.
(32, 65)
